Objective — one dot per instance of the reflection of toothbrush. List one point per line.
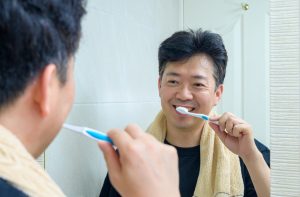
(96, 135)
(184, 110)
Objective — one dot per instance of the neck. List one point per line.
(22, 123)
(184, 137)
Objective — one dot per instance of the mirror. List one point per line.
(117, 71)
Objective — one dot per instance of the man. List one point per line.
(38, 41)
(192, 67)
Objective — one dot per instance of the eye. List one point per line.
(199, 85)
(172, 82)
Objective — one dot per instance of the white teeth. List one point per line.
(189, 108)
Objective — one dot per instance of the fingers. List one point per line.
(214, 118)
(134, 131)
(230, 124)
(119, 137)
(221, 134)
(124, 141)
(141, 155)
(222, 121)
(139, 135)
(111, 158)
(215, 127)
(241, 129)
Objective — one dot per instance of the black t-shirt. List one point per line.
(7, 190)
(189, 166)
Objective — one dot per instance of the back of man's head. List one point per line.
(33, 34)
(185, 44)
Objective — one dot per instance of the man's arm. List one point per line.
(259, 172)
(144, 166)
(237, 136)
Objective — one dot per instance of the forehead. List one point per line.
(199, 64)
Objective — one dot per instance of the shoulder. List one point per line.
(6, 189)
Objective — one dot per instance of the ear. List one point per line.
(218, 94)
(159, 84)
(44, 87)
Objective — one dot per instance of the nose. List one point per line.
(184, 93)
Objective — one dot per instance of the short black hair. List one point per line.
(33, 34)
(185, 44)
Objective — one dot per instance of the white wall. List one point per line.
(116, 75)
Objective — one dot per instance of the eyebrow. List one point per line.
(194, 76)
(173, 74)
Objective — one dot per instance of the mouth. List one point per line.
(190, 109)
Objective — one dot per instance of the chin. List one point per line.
(183, 127)
(183, 124)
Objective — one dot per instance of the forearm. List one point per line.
(260, 173)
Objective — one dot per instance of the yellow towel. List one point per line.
(220, 172)
(18, 167)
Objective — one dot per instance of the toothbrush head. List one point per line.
(182, 110)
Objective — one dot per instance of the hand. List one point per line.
(236, 134)
(144, 166)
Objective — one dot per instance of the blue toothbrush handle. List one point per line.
(99, 136)
(205, 117)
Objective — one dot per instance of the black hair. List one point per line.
(185, 44)
(33, 34)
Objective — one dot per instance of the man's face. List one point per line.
(189, 83)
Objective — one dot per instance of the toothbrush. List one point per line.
(184, 110)
(91, 133)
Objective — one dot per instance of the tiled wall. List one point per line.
(285, 97)
(116, 74)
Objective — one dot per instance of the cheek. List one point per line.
(72, 91)
(206, 97)
(70, 87)
(69, 95)
(166, 93)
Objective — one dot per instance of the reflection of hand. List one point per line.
(144, 167)
(236, 134)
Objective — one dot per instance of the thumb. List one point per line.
(217, 130)
(214, 117)
(215, 127)
(111, 158)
